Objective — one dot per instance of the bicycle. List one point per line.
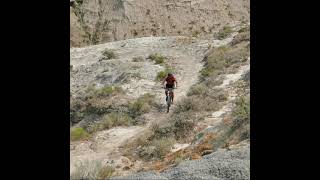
(169, 98)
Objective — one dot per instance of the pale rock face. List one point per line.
(99, 21)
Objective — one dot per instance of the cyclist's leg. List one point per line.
(166, 93)
(171, 95)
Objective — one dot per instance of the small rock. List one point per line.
(206, 152)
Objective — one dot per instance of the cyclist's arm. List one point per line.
(176, 83)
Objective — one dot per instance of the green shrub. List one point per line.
(242, 109)
(113, 119)
(224, 32)
(179, 126)
(137, 59)
(221, 58)
(207, 101)
(78, 134)
(141, 105)
(157, 149)
(108, 91)
(183, 126)
(195, 33)
(244, 29)
(205, 72)
(214, 62)
(106, 172)
(108, 54)
(160, 132)
(79, 2)
(91, 170)
(198, 89)
(162, 74)
(157, 58)
(240, 127)
(192, 103)
(95, 109)
(163, 146)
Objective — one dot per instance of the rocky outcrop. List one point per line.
(222, 164)
(97, 21)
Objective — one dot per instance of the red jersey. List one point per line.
(170, 80)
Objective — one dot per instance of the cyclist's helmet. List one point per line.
(169, 74)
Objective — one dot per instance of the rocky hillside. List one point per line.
(119, 126)
(99, 21)
(233, 163)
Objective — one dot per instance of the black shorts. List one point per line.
(169, 85)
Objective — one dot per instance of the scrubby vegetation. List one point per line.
(107, 91)
(195, 33)
(197, 89)
(157, 58)
(108, 54)
(161, 60)
(241, 118)
(78, 134)
(157, 148)
(142, 105)
(108, 107)
(221, 58)
(111, 120)
(137, 59)
(244, 35)
(162, 74)
(224, 32)
(92, 170)
(98, 101)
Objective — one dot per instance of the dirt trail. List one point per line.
(105, 145)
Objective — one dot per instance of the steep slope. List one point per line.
(184, 54)
(97, 21)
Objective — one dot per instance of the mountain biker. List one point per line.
(171, 81)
